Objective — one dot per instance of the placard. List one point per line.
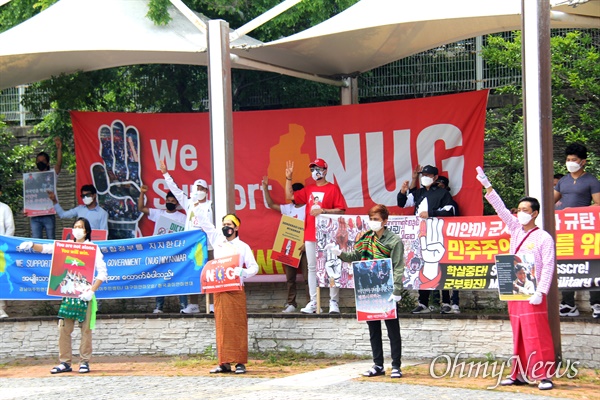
(72, 268)
(516, 277)
(373, 286)
(166, 225)
(289, 239)
(36, 186)
(218, 276)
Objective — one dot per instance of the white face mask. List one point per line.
(316, 175)
(572, 166)
(79, 233)
(87, 200)
(198, 195)
(426, 181)
(375, 226)
(523, 217)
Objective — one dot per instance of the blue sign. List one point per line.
(152, 266)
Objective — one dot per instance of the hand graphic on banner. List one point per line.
(432, 247)
(118, 178)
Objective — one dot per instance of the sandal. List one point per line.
(84, 368)
(396, 373)
(221, 369)
(60, 368)
(375, 370)
(240, 369)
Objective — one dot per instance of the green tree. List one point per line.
(15, 159)
(575, 108)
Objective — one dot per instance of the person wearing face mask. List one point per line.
(322, 197)
(196, 208)
(297, 211)
(231, 318)
(532, 339)
(154, 214)
(90, 209)
(46, 223)
(577, 189)
(71, 310)
(430, 200)
(378, 242)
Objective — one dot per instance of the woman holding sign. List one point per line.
(532, 339)
(377, 243)
(81, 309)
(231, 319)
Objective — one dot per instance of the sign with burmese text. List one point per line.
(460, 252)
(218, 275)
(72, 268)
(370, 150)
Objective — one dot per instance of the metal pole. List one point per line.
(349, 92)
(478, 63)
(221, 118)
(537, 110)
(22, 110)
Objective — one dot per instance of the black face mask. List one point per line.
(171, 206)
(227, 231)
(42, 166)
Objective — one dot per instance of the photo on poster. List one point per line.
(516, 276)
(36, 186)
(373, 285)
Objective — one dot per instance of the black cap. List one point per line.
(429, 169)
(444, 180)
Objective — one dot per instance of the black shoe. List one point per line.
(240, 369)
(375, 370)
(421, 309)
(446, 309)
(221, 369)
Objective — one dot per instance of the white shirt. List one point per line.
(7, 222)
(156, 213)
(292, 211)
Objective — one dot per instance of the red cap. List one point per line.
(319, 162)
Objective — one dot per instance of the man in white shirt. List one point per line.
(295, 211)
(196, 207)
(7, 228)
(154, 214)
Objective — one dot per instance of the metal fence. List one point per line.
(451, 68)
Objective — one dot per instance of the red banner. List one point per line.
(370, 148)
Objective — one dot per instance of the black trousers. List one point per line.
(568, 297)
(393, 328)
(424, 297)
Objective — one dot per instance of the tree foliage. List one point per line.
(15, 159)
(575, 109)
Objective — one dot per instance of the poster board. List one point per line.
(289, 239)
(36, 186)
(72, 268)
(516, 277)
(165, 225)
(373, 285)
(218, 276)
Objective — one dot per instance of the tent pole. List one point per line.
(221, 118)
(537, 111)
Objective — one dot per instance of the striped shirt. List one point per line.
(539, 243)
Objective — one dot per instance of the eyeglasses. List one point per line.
(83, 195)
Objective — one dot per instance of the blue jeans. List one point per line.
(160, 302)
(38, 224)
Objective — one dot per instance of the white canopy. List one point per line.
(87, 35)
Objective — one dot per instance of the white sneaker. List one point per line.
(191, 309)
(3, 314)
(157, 311)
(310, 308)
(455, 309)
(289, 308)
(545, 384)
(334, 308)
(595, 311)
(566, 310)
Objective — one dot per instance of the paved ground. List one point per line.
(327, 384)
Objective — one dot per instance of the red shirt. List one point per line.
(328, 196)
